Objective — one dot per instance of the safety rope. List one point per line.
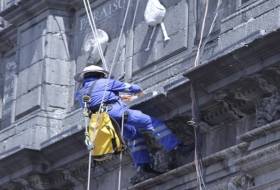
(195, 114)
(196, 62)
(195, 122)
(120, 164)
(94, 31)
(195, 108)
(93, 27)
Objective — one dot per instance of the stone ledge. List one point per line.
(260, 132)
(188, 168)
(16, 16)
(257, 162)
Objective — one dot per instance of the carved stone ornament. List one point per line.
(242, 182)
(268, 110)
(154, 14)
(90, 46)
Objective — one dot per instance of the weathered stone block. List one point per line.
(142, 59)
(255, 10)
(57, 46)
(29, 34)
(142, 34)
(178, 42)
(58, 24)
(32, 53)
(5, 122)
(22, 82)
(246, 29)
(58, 71)
(111, 50)
(58, 96)
(176, 19)
(35, 74)
(28, 102)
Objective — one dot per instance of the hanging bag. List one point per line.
(105, 140)
(104, 133)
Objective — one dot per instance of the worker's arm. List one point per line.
(142, 93)
(119, 86)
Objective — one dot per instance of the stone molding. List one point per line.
(257, 163)
(260, 132)
(16, 16)
(8, 38)
(188, 168)
(244, 181)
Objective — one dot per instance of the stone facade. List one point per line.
(42, 46)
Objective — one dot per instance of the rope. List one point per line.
(120, 164)
(212, 25)
(93, 25)
(195, 122)
(89, 170)
(195, 108)
(196, 62)
(94, 31)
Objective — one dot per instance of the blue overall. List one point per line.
(136, 119)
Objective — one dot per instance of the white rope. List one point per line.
(94, 31)
(109, 76)
(196, 62)
(120, 164)
(198, 166)
(212, 25)
(97, 37)
(89, 169)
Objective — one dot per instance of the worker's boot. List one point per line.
(145, 169)
(185, 150)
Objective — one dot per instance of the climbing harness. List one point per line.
(93, 27)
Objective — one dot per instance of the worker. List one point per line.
(136, 119)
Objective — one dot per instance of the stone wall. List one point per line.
(41, 124)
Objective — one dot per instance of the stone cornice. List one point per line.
(258, 163)
(188, 168)
(8, 38)
(25, 10)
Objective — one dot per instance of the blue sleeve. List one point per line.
(79, 98)
(119, 86)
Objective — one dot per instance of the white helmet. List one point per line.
(90, 69)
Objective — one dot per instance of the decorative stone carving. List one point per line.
(23, 183)
(268, 110)
(90, 46)
(253, 88)
(154, 14)
(68, 176)
(242, 182)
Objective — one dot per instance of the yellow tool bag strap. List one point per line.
(86, 100)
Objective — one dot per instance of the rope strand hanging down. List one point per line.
(94, 31)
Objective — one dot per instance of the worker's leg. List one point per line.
(136, 145)
(140, 154)
(161, 132)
